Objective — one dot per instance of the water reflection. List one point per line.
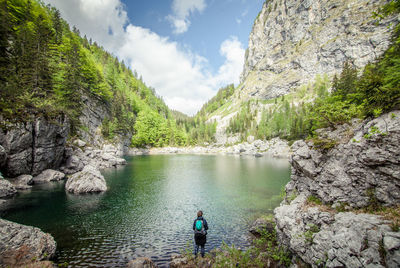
(150, 206)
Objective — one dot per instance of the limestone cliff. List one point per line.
(324, 225)
(292, 41)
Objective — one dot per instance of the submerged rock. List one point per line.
(141, 262)
(86, 181)
(22, 182)
(49, 175)
(20, 244)
(6, 189)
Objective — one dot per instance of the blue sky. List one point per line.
(185, 49)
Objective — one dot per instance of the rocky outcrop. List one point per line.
(20, 244)
(293, 41)
(262, 225)
(49, 175)
(77, 157)
(30, 148)
(142, 262)
(6, 189)
(348, 168)
(22, 182)
(329, 239)
(364, 168)
(88, 180)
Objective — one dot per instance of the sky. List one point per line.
(185, 49)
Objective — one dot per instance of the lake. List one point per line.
(150, 207)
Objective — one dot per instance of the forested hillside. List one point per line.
(46, 69)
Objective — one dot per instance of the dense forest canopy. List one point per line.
(46, 68)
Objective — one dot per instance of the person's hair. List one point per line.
(199, 213)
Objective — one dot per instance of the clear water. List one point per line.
(150, 207)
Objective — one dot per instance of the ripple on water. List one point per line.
(150, 206)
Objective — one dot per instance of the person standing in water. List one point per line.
(200, 228)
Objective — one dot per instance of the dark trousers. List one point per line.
(199, 241)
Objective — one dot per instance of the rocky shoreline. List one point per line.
(342, 203)
(276, 148)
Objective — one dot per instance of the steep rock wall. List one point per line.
(362, 170)
(31, 147)
(293, 41)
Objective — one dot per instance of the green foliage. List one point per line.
(218, 100)
(243, 121)
(374, 131)
(47, 70)
(314, 200)
(309, 234)
(264, 249)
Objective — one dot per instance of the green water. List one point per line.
(150, 207)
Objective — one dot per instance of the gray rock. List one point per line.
(22, 182)
(356, 171)
(316, 236)
(80, 143)
(86, 181)
(20, 244)
(262, 225)
(3, 157)
(142, 262)
(72, 165)
(34, 146)
(293, 41)
(178, 261)
(49, 175)
(6, 189)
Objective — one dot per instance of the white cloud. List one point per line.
(181, 77)
(182, 9)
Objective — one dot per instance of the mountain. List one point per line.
(295, 49)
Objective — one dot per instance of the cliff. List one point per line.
(292, 41)
(341, 206)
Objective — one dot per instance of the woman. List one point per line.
(200, 228)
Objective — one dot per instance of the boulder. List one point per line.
(49, 175)
(20, 244)
(178, 261)
(22, 182)
(262, 225)
(6, 189)
(72, 165)
(141, 262)
(86, 181)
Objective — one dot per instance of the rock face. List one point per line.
(22, 182)
(292, 41)
(6, 189)
(20, 244)
(361, 170)
(49, 175)
(141, 263)
(33, 147)
(106, 157)
(86, 181)
(344, 239)
(364, 169)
